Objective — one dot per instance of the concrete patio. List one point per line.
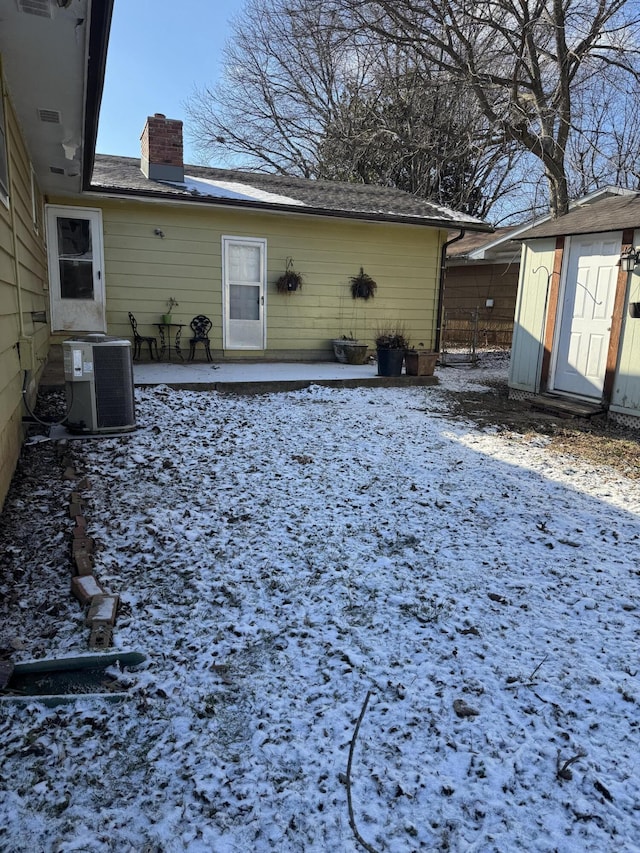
(249, 377)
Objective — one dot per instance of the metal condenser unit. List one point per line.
(98, 373)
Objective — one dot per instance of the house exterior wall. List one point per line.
(23, 290)
(625, 398)
(143, 269)
(527, 351)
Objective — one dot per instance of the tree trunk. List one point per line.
(558, 193)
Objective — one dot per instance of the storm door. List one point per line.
(243, 286)
(74, 238)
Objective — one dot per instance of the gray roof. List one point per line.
(609, 214)
(258, 190)
(472, 243)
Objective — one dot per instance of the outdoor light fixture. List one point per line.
(629, 259)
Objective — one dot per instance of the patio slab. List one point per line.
(250, 377)
(263, 377)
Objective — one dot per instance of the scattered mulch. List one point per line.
(596, 440)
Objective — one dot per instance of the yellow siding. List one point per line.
(536, 268)
(142, 270)
(625, 398)
(23, 279)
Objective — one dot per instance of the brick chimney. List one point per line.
(161, 143)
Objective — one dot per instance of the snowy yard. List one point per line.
(280, 556)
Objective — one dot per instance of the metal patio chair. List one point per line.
(200, 326)
(139, 340)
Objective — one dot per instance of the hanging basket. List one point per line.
(290, 281)
(362, 286)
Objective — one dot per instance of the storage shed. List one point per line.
(577, 320)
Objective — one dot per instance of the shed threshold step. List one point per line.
(565, 407)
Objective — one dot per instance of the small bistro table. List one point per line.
(165, 339)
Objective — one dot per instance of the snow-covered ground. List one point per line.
(278, 558)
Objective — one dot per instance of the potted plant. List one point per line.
(420, 362)
(391, 345)
(290, 280)
(349, 350)
(362, 285)
(171, 304)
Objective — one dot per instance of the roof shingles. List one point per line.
(122, 175)
(609, 214)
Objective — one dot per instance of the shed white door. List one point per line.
(74, 237)
(587, 308)
(244, 270)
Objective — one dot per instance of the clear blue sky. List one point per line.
(159, 51)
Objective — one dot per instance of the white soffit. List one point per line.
(44, 61)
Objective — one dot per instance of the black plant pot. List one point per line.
(390, 362)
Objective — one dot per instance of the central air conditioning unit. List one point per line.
(98, 372)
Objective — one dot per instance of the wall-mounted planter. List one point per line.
(362, 286)
(290, 280)
(420, 362)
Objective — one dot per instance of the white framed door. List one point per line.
(244, 264)
(76, 264)
(589, 292)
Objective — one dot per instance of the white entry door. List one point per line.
(244, 270)
(590, 282)
(74, 237)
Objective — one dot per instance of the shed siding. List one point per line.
(536, 268)
(626, 389)
(23, 282)
(142, 270)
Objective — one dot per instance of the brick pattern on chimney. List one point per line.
(161, 142)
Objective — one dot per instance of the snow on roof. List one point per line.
(267, 191)
(234, 189)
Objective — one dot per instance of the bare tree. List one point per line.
(420, 133)
(605, 149)
(286, 71)
(307, 92)
(523, 60)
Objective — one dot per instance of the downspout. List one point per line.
(12, 207)
(443, 265)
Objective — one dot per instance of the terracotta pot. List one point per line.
(420, 362)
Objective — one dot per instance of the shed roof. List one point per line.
(475, 246)
(609, 214)
(258, 190)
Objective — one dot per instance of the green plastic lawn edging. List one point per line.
(55, 682)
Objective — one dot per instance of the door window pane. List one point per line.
(244, 302)
(75, 253)
(244, 263)
(76, 279)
